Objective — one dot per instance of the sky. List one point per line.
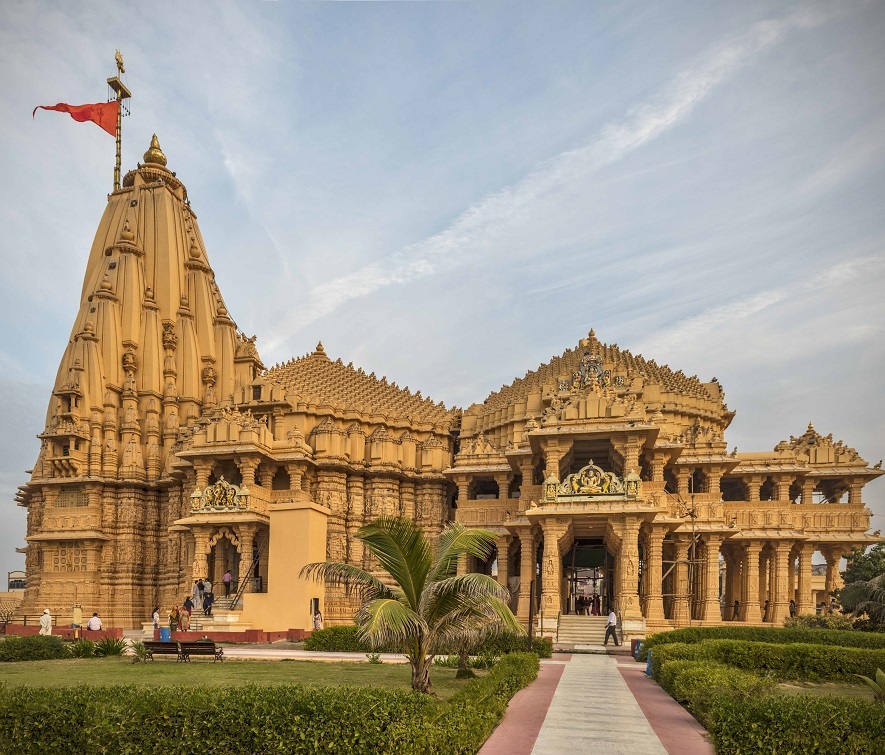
(450, 193)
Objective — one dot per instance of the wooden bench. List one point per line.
(161, 648)
(200, 647)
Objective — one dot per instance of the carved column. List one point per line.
(355, 511)
(295, 474)
(551, 569)
(854, 492)
(266, 475)
(807, 491)
(654, 606)
(682, 477)
(628, 571)
(782, 487)
(202, 469)
(503, 546)
(805, 600)
(780, 603)
(833, 556)
(526, 572)
(332, 492)
(681, 603)
(750, 583)
(201, 553)
(754, 483)
(246, 537)
(711, 610)
(407, 497)
(247, 467)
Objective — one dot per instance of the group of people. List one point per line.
(93, 625)
(588, 606)
(202, 598)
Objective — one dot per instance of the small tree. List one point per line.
(429, 608)
(865, 597)
(864, 564)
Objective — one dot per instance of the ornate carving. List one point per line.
(221, 496)
(594, 481)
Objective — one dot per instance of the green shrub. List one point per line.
(794, 661)
(139, 652)
(35, 648)
(795, 724)
(108, 646)
(510, 643)
(290, 718)
(765, 634)
(82, 648)
(820, 621)
(341, 639)
(696, 683)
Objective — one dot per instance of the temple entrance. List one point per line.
(588, 569)
(223, 556)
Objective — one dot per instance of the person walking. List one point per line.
(611, 629)
(208, 600)
(46, 623)
(173, 619)
(736, 611)
(226, 581)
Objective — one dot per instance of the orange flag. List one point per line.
(102, 113)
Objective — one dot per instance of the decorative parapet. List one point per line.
(592, 481)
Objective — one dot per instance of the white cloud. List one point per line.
(474, 229)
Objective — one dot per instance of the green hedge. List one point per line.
(34, 648)
(743, 715)
(343, 639)
(256, 719)
(795, 661)
(796, 724)
(842, 638)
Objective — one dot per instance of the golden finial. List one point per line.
(155, 154)
(119, 58)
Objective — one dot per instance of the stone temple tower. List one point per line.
(152, 350)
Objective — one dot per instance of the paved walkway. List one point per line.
(594, 703)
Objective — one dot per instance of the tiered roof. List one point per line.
(318, 380)
(611, 357)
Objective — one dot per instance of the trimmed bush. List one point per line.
(33, 648)
(820, 621)
(343, 639)
(796, 724)
(292, 718)
(842, 638)
(794, 661)
(696, 683)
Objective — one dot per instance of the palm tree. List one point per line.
(865, 597)
(429, 607)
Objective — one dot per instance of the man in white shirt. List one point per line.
(46, 623)
(611, 629)
(94, 624)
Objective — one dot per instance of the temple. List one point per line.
(171, 452)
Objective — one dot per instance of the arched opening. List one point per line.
(281, 480)
(484, 488)
(767, 491)
(588, 570)
(734, 489)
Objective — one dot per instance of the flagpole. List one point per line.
(122, 93)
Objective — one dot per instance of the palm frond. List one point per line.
(454, 540)
(388, 622)
(402, 551)
(441, 597)
(352, 578)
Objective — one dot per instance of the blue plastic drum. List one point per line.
(165, 634)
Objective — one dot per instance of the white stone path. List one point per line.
(593, 711)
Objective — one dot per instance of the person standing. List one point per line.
(611, 629)
(792, 607)
(736, 611)
(317, 621)
(155, 617)
(226, 581)
(173, 619)
(207, 586)
(196, 598)
(46, 623)
(94, 624)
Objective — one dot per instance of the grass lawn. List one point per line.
(841, 689)
(108, 671)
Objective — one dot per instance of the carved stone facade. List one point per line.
(607, 474)
(170, 453)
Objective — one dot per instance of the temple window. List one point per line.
(515, 487)
(484, 489)
(795, 492)
(670, 484)
(734, 489)
(699, 482)
(280, 480)
(767, 491)
(256, 393)
(70, 497)
(65, 450)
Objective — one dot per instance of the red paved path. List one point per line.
(518, 730)
(677, 729)
(679, 732)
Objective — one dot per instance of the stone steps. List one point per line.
(581, 630)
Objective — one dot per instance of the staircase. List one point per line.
(221, 620)
(581, 630)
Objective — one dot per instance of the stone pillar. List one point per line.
(628, 571)
(780, 601)
(247, 467)
(463, 490)
(407, 497)
(805, 600)
(682, 477)
(201, 552)
(763, 580)
(711, 609)
(527, 572)
(332, 492)
(295, 474)
(551, 570)
(681, 607)
(807, 492)
(753, 482)
(854, 492)
(503, 481)
(782, 487)
(355, 504)
(750, 583)
(833, 556)
(202, 469)
(246, 537)
(265, 476)
(654, 606)
(503, 547)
